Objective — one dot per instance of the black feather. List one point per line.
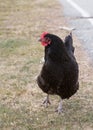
(69, 43)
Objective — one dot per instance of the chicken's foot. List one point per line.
(46, 101)
(59, 109)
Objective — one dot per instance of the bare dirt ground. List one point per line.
(20, 54)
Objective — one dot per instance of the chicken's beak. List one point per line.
(39, 40)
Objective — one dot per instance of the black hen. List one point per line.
(59, 74)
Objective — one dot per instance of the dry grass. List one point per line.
(20, 98)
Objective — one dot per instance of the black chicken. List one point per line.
(59, 74)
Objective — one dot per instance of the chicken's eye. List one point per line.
(47, 40)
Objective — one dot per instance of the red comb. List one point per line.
(43, 34)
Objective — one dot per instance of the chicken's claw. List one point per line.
(59, 109)
(46, 101)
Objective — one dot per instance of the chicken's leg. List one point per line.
(59, 109)
(46, 101)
